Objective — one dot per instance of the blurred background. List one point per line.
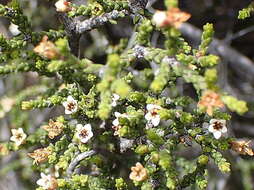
(236, 47)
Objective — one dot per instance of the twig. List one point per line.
(95, 22)
(240, 33)
(241, 64)
(77, 159)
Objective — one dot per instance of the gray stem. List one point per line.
(77, 159)
(97, 21)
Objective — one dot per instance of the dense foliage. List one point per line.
(116, 115)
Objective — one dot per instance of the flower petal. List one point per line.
(79, 127)
(13, 138)
(217, 134)
(148, 116)
(88, 127)
(117, 114)
(41, 182)
(149, 107)
(156, 120)
(65, 104)
(115, 122)
(14, 131)
(68, 112)
(213, 121)
(211, 129)
(224, 129)
(116, 97)
(114, 104)
(70, 99)
(20, 130)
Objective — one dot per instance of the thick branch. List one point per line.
(238, 62)
(79, 158)
(70, 26)
(95, 22)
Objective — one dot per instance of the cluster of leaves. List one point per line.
(156, 140)
(246, 12)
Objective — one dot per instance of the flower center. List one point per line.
(83, 133)
(217, 126)
(71, 106)
(19, 136)
(154, 112)
(66, 3)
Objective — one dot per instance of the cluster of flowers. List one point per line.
(84, 133)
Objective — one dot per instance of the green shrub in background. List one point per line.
(119, 127)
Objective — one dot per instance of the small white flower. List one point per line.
(152, 115)
(217, 127)
(62, 6)
(117, 115)
(71, 105)
(14, 29)
(169, 101)
(115, 98)
(116, 124)
(84, 132)
(47, 182)
(159, 18)
(18, 136)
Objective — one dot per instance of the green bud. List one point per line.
(233, 104)
(155, 156)
(224, 167)
(120, 184)
(147, 186)
(165, 160)
(121, 88)
(208, 61)
(154, 137)
(203, 159)
(142, 149)
(61, 182)
(26, 105)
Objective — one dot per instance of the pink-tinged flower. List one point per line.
(18, 136)
(63, 6)
(71, 105)
(139, 173)
(242, 147)
(46, 49)
(209, 101)
(84, 132)
(115, 98)
(54, 128)
(217, 127)
(47, 182)
(152, 115)
(40, 155)
(173, 17)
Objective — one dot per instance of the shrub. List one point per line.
(119, 121)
